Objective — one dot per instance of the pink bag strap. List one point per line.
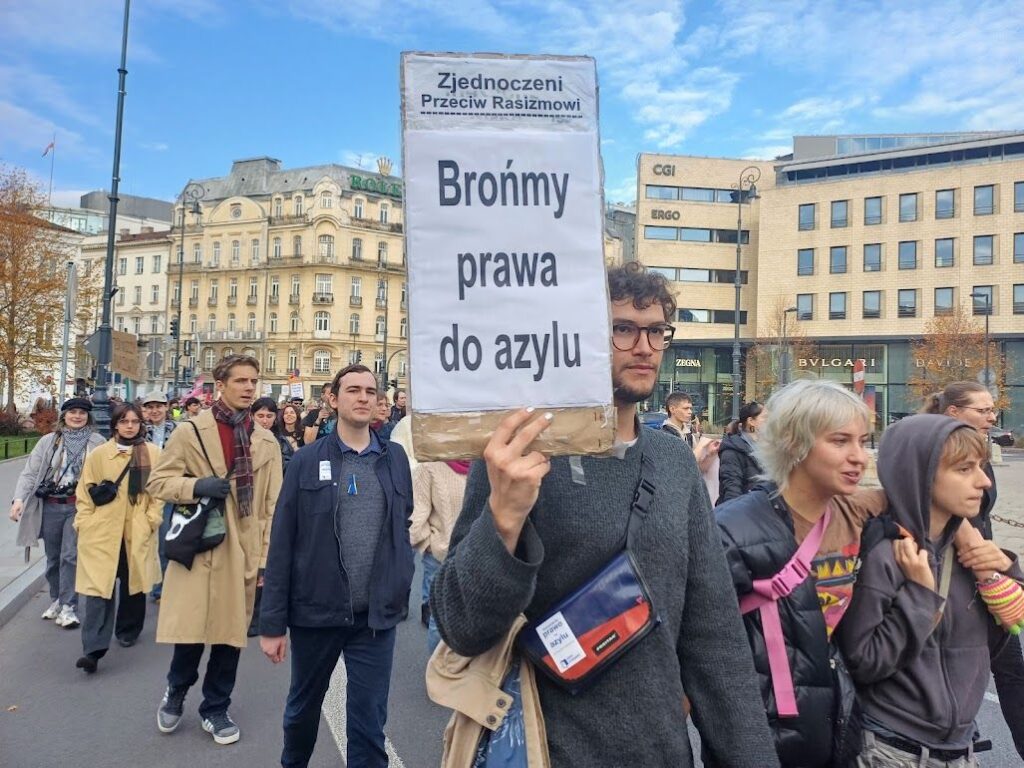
(765, 596)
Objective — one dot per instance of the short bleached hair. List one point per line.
(797, 415)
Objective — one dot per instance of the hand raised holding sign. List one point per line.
(515, 476)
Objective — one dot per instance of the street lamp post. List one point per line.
(193, 192)
(784, 353)
(748, 183)
(988, 311)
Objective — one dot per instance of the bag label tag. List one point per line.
(560, 642)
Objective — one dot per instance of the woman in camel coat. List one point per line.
(117, 541)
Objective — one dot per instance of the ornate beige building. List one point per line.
(302, 268)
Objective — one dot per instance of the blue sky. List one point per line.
(314, 81)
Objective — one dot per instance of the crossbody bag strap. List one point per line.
(765, 598)
(947, 571)
(642, 498)
(124, 472)
(202, 446)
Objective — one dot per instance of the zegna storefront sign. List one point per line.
(687, 362)
(833, 362)
(379, 186)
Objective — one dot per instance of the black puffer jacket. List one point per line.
(738, 469)
(757, 533)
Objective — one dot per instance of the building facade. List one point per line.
(865, 239)
(302, 268)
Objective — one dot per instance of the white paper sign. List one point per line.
(560, 642)
(296, 389)
(504, 233)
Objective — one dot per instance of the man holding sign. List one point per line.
(535, 528)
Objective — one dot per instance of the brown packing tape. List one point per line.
(573, 431)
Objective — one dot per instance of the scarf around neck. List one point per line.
(241, 426)
(138, 464)
(459, 467)
(75, 443)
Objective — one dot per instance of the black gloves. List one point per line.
(214, 487)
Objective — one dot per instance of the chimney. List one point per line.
(123, 232)
(146, 230)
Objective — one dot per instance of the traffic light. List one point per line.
(174, 328)
(393, 383)
(359, 355)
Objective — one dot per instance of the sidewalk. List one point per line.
(1008, 515)
(17, 581)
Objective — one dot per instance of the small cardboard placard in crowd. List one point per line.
(508, 299)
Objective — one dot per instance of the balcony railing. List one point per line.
(382, 303)
(326, 258)
(323, 298)
(212, 301)
(251, 300)
(208, 336)
(293, 219)
(293, 298)
(273, 299)
(193, 301)
(232, 301)
(355, 301)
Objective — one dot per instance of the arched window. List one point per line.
(231, 321)
(403, 328)
(379, 325)
(250, 323)
(209, 358)
(353, 323)
(325, 245)
(278, 210)
(273, 322)
(357, 249)
(321, 361)
(227, 351)
(322, 321)
(249, 351)
(297, 203)
(212, 323)
(293, 322)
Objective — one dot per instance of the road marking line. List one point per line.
(334, 713)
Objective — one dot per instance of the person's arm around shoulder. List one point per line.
(30, 474)
(893, 611)
(862, 505)
(489, 575)
(419, 527)
(274, 604)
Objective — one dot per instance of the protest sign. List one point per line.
(504, 240)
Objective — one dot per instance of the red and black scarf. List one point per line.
(241, 426)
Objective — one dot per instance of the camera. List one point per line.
(46, 489)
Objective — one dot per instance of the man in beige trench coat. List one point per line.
(211, 603)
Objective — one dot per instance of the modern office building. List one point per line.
(867, 237)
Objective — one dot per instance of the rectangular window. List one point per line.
(122, 266)
(872, 210)
(194, 290)
(982, 297)
(661, 233)
(694, 235)
(357, 287)
(805, 219)
(943, 301)
(154, 294)
(840, 210)
(906, 300)
(837, 306)
(137, 295)
(255, 251)
(983, 250)
(655, 192)
(324, 283)
(253, 287)
(698, 194)
(984, 200)
(944, 252)
(805, 261)
(233, 288)
(156, 264)
(805, 306)
(837, 259)
(1018, 299)
(275, 286)
(1018, 196)
(1018, 248)
(908, 254)
(872, 304)
(140, 265)
(908, 207)
(873, 257)
(670, 273)
(694, 315)
(945, 204)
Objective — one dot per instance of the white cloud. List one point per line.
(624, 191)
(767, 151)
(22, 129)
(155, 146)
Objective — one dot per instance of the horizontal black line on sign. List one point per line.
(496, 114)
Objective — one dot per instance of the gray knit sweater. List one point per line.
(633, 715)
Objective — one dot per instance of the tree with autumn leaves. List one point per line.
(33, 278)
(764, 358)
(953, 349)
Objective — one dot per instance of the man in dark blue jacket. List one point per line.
(338, 573)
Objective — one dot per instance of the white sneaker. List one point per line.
(53, 611)
(67, 619)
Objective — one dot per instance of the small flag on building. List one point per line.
(49, 146)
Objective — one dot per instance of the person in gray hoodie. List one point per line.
(917, 637)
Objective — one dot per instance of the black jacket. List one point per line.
(305, 583)
(738, 469)
(757, 533)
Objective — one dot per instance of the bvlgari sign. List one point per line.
(833, 362)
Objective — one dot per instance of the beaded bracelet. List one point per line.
(1004, 598)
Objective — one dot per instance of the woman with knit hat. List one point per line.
(44, 503)
(117, 542)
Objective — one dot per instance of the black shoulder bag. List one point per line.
(105, 491)
(595, 625)
(195, 527)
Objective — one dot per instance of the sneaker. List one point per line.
(53, 611)
(171, 706)
(222, 727)
(68, 618)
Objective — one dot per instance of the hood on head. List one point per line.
(908, 459)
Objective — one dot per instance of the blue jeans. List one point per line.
(430, 566)
(158, 589)
(368, 657)
(60, 542)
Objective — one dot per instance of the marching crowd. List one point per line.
(580, 609)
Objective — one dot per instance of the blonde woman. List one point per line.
(117, 542)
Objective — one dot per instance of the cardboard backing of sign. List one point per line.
(454, 107)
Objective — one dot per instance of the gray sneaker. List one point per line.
(222, 727)
(53, 611)
(171, 707)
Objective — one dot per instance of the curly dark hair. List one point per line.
(633, 281)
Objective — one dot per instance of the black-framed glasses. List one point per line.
(626, 335)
